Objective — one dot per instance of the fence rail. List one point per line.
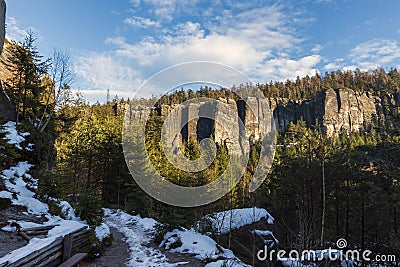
(57, 252)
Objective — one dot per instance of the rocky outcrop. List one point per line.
(346, 111)
(2, 23)
(7, 109)
(335, 111)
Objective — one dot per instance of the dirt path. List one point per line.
(133, 246)
(115, 255)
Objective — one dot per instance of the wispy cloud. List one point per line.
(375, 53)
(337, 64)
(141, 22)
(13, 30)
(103, 72)
(257, 40)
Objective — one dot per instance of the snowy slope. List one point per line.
(17, 181)
(21, 187)
(12, 135)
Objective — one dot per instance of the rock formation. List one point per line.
(7, 109)
(334, 111)
(338, 111)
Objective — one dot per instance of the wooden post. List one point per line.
(67, 247)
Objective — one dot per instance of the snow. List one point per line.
(21, 185)
(230, 263)
(265, 235)
(12, 135)
(223, 221)
(317, 255)
(193, 242)
(6, 194)
(62, 228)
(29, 147)
(9, 228)
(138, 234)
(16, 181)
(67, 210)
(102, 231)
(200, 246)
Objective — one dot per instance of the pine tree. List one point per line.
(24, 86)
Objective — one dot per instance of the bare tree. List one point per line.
(62, 76)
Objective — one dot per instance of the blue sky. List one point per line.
(116, 45)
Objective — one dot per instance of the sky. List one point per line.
(117, 45)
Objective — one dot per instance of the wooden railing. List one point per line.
(56, 253)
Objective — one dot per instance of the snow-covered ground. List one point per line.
(20, 190)
(200, 246)
(318, 255)
(13, 136)
(225, 221)
(139, 232)
(17, 181)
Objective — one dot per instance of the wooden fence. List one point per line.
(56, 253)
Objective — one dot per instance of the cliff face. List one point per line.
(7, 109)
(338, 111)
(335, 112)
(347, 111)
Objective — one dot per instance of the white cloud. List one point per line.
(317, 49)
(135, 3)
(332, 66)
(141, 22)
(100, 95)
(244, 41)
(335, 65)
(13, 30)
(375, 53)
(163, 9)
(102, 71)
(257, 41)
(285, 68)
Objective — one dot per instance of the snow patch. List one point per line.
(222, 222)
(62, 228)
(9, 228)
(6, 194)
(192, 242)
(67, 210)
(230, 263)
(16, 181)
(267, 236)
(102, 231)
(201, 246)
(12, 135)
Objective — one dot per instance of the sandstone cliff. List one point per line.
(7, 109)
(339, 111)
